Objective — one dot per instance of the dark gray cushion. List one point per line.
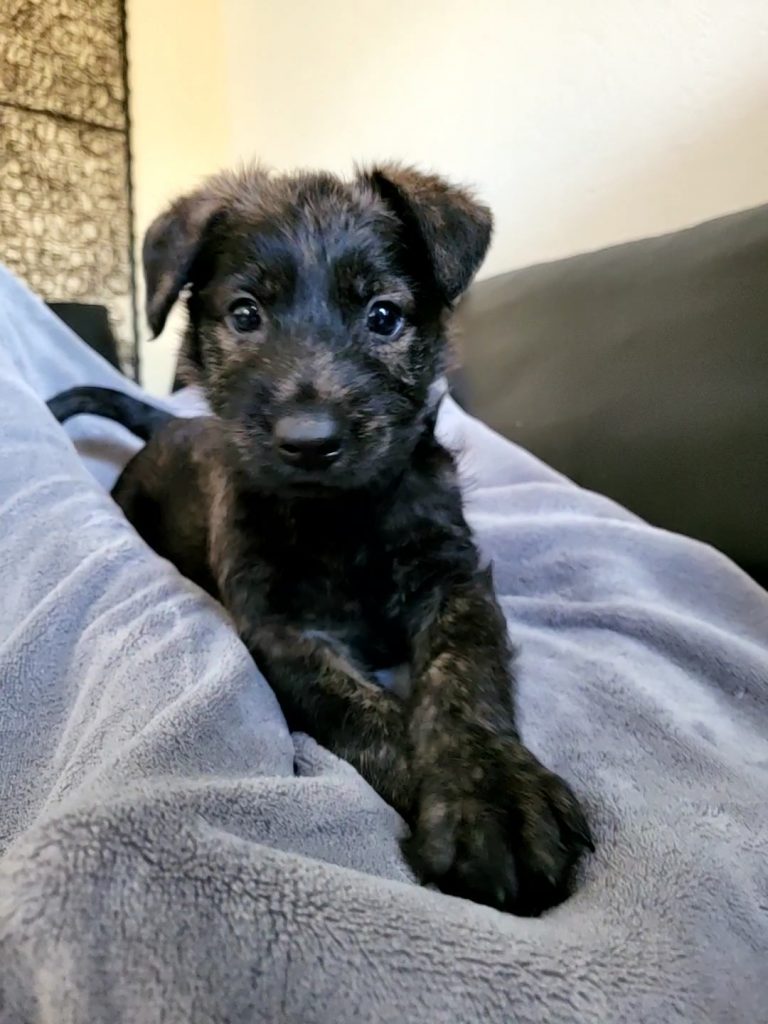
(91, 323)
(640, 371)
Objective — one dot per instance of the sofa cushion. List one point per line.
(91, 323)
(640, 371)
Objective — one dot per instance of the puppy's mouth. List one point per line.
(305, 489)
(350, 475)
(354, 472)
(317, 464)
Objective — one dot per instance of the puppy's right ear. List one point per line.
(454, 227)
(171, 246)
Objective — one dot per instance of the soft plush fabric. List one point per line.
(640, 371)
(170, 852)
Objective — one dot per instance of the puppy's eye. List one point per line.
(384, 318)
(244, 315)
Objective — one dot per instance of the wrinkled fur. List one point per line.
(333, 574)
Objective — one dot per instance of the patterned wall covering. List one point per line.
(64, 157)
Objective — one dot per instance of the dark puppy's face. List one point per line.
(317, 313)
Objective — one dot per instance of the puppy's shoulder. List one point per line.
(428, 490)
(200, 434)
(433, 471)
(195, 451)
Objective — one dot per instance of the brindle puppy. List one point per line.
(318, 506)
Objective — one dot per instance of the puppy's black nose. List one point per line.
(308, 440)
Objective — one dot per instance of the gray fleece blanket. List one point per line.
(170, 852)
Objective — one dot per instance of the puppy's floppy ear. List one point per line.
(455, 228)
(171, 245)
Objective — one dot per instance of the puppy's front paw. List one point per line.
(494, 826)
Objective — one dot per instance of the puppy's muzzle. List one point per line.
(311, 439)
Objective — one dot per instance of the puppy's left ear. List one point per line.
(171, 246)
(454, 228)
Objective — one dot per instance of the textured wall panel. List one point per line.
(64, 194)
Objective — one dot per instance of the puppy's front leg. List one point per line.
(492, 823)
(320, 689)
(323, 693)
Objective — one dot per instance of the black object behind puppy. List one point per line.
(318, 506)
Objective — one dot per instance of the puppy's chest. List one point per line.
(332, 571)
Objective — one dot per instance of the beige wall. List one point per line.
(582, 122)
(180, 124)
